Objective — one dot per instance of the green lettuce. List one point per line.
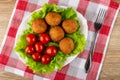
(57, 61)
(69, 13)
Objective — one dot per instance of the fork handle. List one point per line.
(89, 59)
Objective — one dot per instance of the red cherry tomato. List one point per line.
(44, 38)
(45, 59)
(37, 56)
(51, 50)
(31, 39)
(29, 49)
(39, 47)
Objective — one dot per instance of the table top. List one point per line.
(111, 66)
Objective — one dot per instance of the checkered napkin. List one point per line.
(9, 60)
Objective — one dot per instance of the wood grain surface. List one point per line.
(111, 66)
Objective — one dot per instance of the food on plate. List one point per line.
(53, 35)
(56, 33)
(51, 50)
(44, 38)
(53, 18)
(70, 25)
(66, 45)
(31, 39)
(45, 59)
(37, 56)
(39, 25)
(29, 49)
(38, 50)
(39, 47)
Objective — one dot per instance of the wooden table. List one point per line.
(111, 66)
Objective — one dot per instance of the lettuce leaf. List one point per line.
(57, 61)
(69, 13)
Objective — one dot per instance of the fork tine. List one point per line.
(103, 16)
(100, 16)
(99, 13)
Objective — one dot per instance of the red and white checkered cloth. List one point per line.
(9, 61)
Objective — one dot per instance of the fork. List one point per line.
(97, 27)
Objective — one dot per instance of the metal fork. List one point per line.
(97, 26)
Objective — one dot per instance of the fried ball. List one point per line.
(56, 33)
(39, 26)
(70, 25)
(66, 45)
(53, 18)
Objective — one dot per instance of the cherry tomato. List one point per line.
(39, 47)
(44, 38)
(37, 56)
(29, 49)
(45, 59)
(31, 39)
(51, 50)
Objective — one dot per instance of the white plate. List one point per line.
(83, 28)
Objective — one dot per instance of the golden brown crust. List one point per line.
(56, 33)
(66, 45)
(70, 26)
(53, 18)
(39, 26)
